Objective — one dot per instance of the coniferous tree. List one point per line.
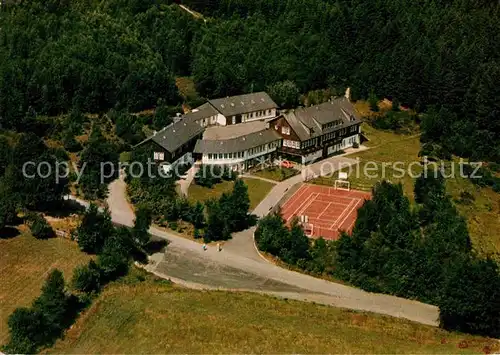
(198, 215)
(217, 227)
(140, 231)
(114, 260)
(298, 247)
(94, 229)
(99, 161)
(470, 298)
(7, 203)
(271, 234)
(87, 278)
(40, 228)
(25, 325)
(373, 101)
(52, 305)
(236, 206)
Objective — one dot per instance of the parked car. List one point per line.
(286, 164)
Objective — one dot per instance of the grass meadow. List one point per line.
(144, 315)
(25, 262)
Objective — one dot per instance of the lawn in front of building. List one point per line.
(393, 157)
(257, 190)
(276, 173)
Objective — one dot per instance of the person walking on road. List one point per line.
(204, 247)
(219, 247)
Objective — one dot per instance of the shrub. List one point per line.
(173, 225)
(395, 105)
(40, 228)
(40, 325)
(53, 305)
(94, 229)
(113, 261)
(197, 234)
(210, 175)
(228, 174)
(142, 223)
(24, 326)
(373, 101)
(70, 143)
(87, 278)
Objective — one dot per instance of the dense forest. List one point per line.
(61, 60)
(95, 55)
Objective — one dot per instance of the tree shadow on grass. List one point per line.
(9, 233)
(65, 209)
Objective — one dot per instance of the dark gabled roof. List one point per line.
(175, 135)
(203, 111)
(236, 105)
(239, 144)
(302, 131)
(307, 122)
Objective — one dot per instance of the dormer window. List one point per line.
(159, 156)
(285, 130)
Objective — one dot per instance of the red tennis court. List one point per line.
(326, 209)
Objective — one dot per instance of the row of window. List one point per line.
(286, 131)
(256, 150)
(332, 124)
(226, 155)
(291, 144)
(240, 155)
(312, 142)
(352, 140)
(210, 120)
(309, 143)
(259, 113)
(159, 156)
(329, 136)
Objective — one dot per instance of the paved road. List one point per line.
(239, 266)
(190, 174)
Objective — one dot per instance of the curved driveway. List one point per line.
(240, 267)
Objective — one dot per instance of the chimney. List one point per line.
(348, 94)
